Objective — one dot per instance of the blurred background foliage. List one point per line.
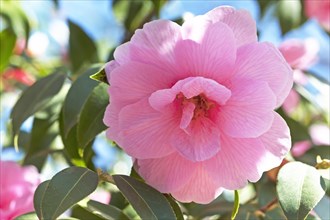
(51, 110)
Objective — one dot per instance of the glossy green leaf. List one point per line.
(76, 97)
(65, 189)
(100, 76)
(44, 131)
(91, 118)
(118, 200)
(147, 202)
(83, 213)
(236, 205)
(82, 50)
(107, 211)
(38, 198)
(27, 216)
(175, 207)
(7, 44)
(299, 188)
(35, 98)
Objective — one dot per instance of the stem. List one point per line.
(105, 176)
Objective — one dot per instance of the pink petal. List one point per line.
(201, 188)
(167, 173)
(291, 102)
(236, 163)
(109, 67)
(205, 58)
(262, 61)
(190, 87)
(122, 53)
(240, 21)
(145, 132)
(300, 54)
(213, 90)
(249, 111)
(155, 43)
(200, 141)
(277, 143)
(300, 148)
(187, 115)
(133, 81)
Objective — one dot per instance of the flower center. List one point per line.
(201, 102)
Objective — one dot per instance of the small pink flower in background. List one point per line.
(300, 54)
(300, 148)
(101, 195)
(16, 75)
(194, 104)
(17, 186)
(319, 9)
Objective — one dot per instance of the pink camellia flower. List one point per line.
(17, 186)
(319, 9)
(194, 104)
(300, 54)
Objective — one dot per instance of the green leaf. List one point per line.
(266, 191)
(83, 213)
(13, 13)
(107, 211)
(299, 188)
(7, 44)
(148, 202)
(175, 207)
(27, 216)
(236, 205)
(35, 98)
(43, 133)
(158, 4)
(118, 200)
(76, 97)
(91, 118)
(289, 13)
(132, 13)
(65, 189)
(82, 50)
(100, 76)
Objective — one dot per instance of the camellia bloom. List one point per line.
(17, 186)
(300, 54)
(320, 10)
(194, 104)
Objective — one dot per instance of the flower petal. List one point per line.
(240, 21)
(201, 188)
(200, 141)
(249, 111)
(205, 58)
(133, 81)
(109, 67)
(236, 163)
(145, 131)
(262, 61)
(277, 142)
(167, 173)
(155, 43)
(200, 85)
